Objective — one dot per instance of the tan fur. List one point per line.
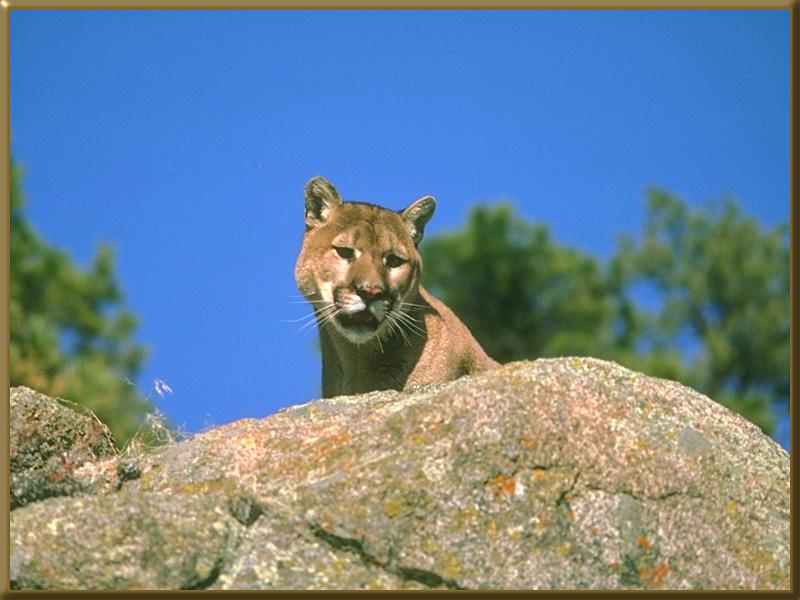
(379, 329)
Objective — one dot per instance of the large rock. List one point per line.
(560, 473)
(48, 443)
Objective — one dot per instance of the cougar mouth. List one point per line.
(363, 318)
(360, 321)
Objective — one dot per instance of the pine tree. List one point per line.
(71, 334)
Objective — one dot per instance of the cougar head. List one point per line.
(359, 265)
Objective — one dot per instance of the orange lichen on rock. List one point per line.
(654, 576)
(502, 484)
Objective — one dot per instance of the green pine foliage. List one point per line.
(521, 294)
(721, 283)
(71, 335)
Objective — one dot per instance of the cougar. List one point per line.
(379, 329)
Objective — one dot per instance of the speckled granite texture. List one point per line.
(567, 473)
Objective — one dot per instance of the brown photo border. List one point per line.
(793, 6)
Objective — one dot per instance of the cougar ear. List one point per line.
(417, 215)
(321, 200)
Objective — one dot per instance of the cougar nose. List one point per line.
(369, 291)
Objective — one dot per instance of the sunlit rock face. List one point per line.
(567, 473)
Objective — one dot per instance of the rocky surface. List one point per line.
(49, 441)
(554, 474)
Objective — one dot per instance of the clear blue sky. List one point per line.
(185, 139)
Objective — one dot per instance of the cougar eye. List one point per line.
(393, 261)
(344, 252)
